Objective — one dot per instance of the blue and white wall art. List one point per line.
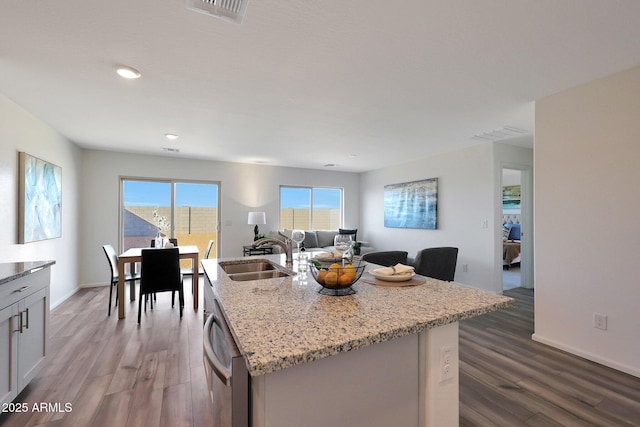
(40, 200)
(411, 204)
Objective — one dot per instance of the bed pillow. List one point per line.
(506, 230)
(514, 232)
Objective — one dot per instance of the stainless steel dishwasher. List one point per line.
(227, 375)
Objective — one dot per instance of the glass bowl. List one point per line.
(335, 279)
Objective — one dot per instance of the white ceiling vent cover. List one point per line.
(229, 10)
(501, 133)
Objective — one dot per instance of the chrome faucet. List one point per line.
(287, 246)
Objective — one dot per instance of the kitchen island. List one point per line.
(383, 356)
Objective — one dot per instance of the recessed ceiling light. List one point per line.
(171, 136)
(127, 72)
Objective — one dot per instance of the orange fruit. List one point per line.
(321, 276)
(331, 279)
(346, 279)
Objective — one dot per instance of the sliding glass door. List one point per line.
(186, 211)
(196, 215)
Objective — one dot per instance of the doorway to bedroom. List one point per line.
(511, 228)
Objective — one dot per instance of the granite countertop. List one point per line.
(10, 271)
(283, 322)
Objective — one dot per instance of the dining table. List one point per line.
(134, 255)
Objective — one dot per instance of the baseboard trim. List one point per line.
(62, 299)
(93, 285)
(587, 355)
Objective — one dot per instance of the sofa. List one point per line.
(315, 240)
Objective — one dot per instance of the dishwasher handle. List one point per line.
(210, 357)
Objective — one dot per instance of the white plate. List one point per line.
(394, 278)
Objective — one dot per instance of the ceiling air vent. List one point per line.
(229, 10)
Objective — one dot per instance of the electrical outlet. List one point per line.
(465, 268)
(600, 321)
(446, 363)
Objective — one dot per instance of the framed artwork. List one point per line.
(412, 204)
(40, 200)
(511, 198)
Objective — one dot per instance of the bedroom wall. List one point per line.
(21, 131)
(510, 177)
(586, 192)
(243, 188)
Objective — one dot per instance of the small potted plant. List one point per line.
(356, 248)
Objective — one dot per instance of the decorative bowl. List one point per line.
(336, 279)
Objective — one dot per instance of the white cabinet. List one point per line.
(24, 315)
(393, 383)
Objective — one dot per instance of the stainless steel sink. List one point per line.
(252, 270)
(257, 275)
(232, 267)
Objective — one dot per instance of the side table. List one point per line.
(262, 250)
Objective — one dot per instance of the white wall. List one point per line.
(465, 189)
(243, 188)
(510, 177)
(20, 131)
(469, 193)
(587, 149)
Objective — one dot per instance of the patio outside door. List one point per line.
(190, 208)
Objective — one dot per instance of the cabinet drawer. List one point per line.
(12, 292)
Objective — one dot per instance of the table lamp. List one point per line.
(256, 218)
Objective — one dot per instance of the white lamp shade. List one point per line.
(257, 218)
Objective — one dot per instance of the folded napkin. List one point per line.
(327, 255)
(398, 269)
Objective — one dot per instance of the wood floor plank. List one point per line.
(176, 406)
(114, 409)
(87, 403)
(126, 373)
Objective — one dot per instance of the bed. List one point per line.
(510, 244)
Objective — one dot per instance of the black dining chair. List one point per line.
(112, 257)
(208, 251)
(386, 258)
(160, 273)
(439, 263)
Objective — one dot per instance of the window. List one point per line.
(190, 208)
(310, 208)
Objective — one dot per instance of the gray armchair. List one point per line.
(386, 258)
(439, 263)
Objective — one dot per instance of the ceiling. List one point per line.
(361, 84)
